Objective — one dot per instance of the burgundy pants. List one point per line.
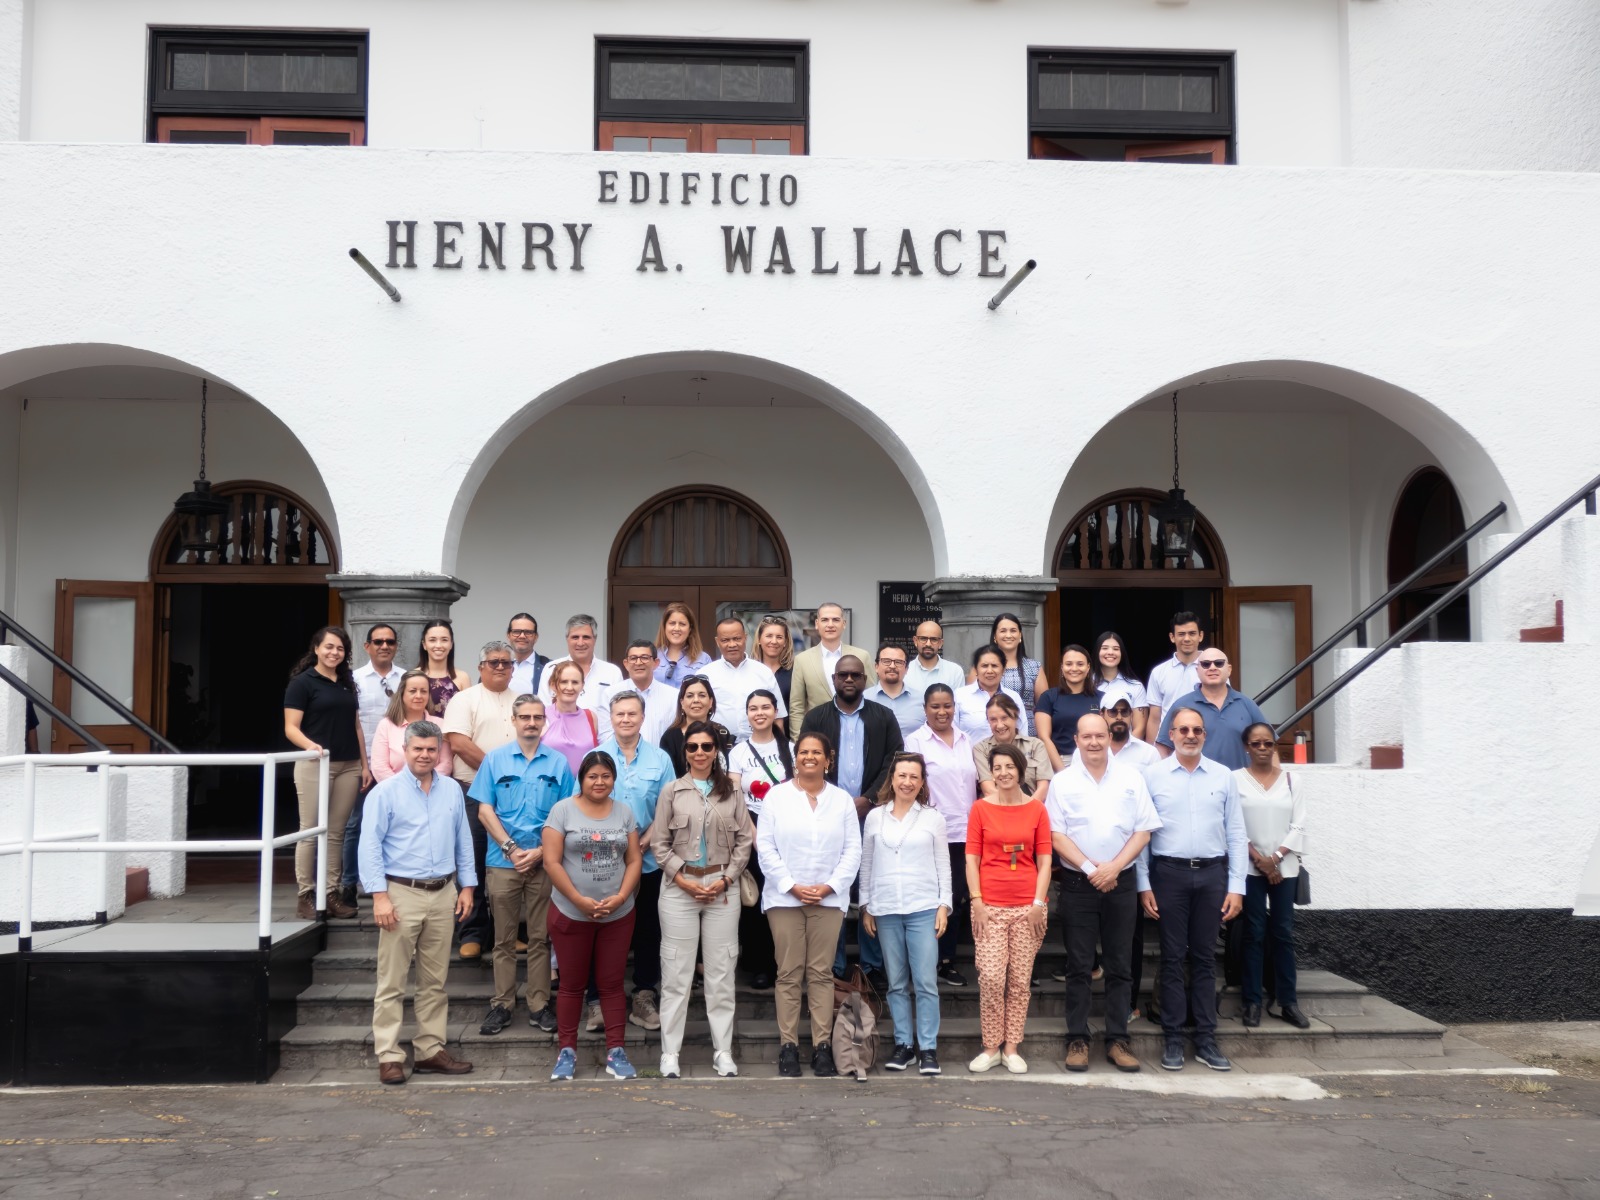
(582, 947)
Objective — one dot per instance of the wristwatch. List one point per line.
(509, 846)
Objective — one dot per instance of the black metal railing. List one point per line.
(1585, 495)
(8, 623)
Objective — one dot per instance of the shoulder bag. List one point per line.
(1302, 881)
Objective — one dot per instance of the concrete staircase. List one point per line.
(334, 1033)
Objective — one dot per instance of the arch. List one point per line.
(268, 535)
(1427, 517)
(764, 370)
(706, 530)
(1112, 542)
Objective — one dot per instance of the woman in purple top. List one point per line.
(569, 730)
(437, 656)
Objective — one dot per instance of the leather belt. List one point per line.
(1193, 864)
(422, 885)
(702, 872)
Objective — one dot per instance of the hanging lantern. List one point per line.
(196, 509)
(1175, 516)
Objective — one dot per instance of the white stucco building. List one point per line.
(1368, 271)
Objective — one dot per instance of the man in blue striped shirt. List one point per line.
(415, 851)
(1191, 879)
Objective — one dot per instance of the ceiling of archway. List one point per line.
(696, 389)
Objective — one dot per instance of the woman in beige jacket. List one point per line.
(702, 836)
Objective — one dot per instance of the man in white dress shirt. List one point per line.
(527, 664)
(891, 690)
(1101, 816)
(376, 681)
(735, 675)
(1117, 708)
(660, 699)
(928, 667)
(599, 676)
(1177, 677)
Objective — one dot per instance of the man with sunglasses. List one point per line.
(1191, 878)
(1116, 706)
(1228, 712)
(376, 681)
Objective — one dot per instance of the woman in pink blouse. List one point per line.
(409, 703)
(568, 729)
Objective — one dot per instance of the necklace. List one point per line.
(905, 830)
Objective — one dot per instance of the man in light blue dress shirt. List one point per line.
(1191, 879)
(891, 690)
(416, 850)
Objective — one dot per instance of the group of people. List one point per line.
(698, 815)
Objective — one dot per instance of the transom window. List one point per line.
(700, 97)
(1130, 106)
(258, 87)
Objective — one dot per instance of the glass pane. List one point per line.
(209, 137)
(1199, 94)
(1089, 89)
(1055, 89)
(739, 83)
(1126, 91)
(1163, 93)
(225, 72)
(1266, 651)
(776, 83)
(703, 81)
(309, 137)
(302, 72)
(102, 648)
(644, 618)
(638, 144)
(188, 71)
(772, 145)
(339, 74)
(263, 73)
(733, 145)
(665, 145)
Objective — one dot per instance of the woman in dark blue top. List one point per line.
(1056, 715)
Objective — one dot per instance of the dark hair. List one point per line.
(891, 646)
(721, 785)
(523, 617)
(641, 644)
(886, 792)
(1184, 617)
(989, 648)
(1088, 680)
(1255, 725)
(683, 687)
(1012, 751)
(372, 629)
(784, 756)
(308, 660)
(1022, 646)
(816, 735)
(1004, 703)
(934, 689)
(596, 758)
(1184, 708)
(1100, 680)
(422, 646)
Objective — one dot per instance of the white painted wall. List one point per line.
(540, 531)
(940, 79)
(1474, 84)
(16, 53)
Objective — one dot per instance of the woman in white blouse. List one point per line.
(809, 845)
(1274, 819)
(760, 763)
(972, 701)
(905, 903)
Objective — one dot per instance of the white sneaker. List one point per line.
(594, 1020)
(722, 1063)
(669, 1066)
(984, 1061)
(1016, 1064)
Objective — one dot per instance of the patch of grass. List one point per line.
(1524, 1087)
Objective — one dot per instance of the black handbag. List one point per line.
(1302, 886)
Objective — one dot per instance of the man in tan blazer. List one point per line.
(811, 684)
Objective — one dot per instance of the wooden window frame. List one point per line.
(701, 136)
(165, 101)
(609, 112)
(1133, 126)
(258, 131)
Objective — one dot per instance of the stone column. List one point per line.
(970, 604)
(407, 602)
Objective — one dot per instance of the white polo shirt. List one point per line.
(732, 687)
(1136, 752)
(1170, 681)
(1100, 816)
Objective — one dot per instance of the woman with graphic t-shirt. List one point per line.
(592, 855)
(759, 763)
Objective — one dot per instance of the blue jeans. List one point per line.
(1257, 893)
(352, 844)
(870, 953)
(911, 959)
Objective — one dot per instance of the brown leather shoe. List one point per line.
(391, 1072)
(339, 909)
(1077, 1055)
(305, 908)
(442, 1064)
(1120, 1057)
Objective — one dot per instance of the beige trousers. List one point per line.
(713, 929)
(426, 922)
(805, 939)
(517, 898)
(344, 785)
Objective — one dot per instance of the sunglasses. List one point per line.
(1188, 729)
(700, 747)
(1261, 745)
(497, 664)
(849, 674)
(383, 642)
(1211, 663)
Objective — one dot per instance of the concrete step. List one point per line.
(1380, 1030)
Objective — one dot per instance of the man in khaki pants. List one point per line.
(415, 849)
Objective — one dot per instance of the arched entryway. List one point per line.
(1427, 517)
(707, 547)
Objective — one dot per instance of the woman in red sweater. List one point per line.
(1008, 872)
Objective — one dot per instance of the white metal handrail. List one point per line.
(68, 843)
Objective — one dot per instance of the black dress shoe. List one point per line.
(902, 1058)
(1292, 1014)
(1252, 1015)
(789, 1061)
(761, 982)
(822, 1062)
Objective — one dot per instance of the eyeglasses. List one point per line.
(522, 633)
(891, 662)
(932, 641)
(1188, 729)
(1211, 664)
(700, 747)
(641, 659)
(382, 642)
(497, 664)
